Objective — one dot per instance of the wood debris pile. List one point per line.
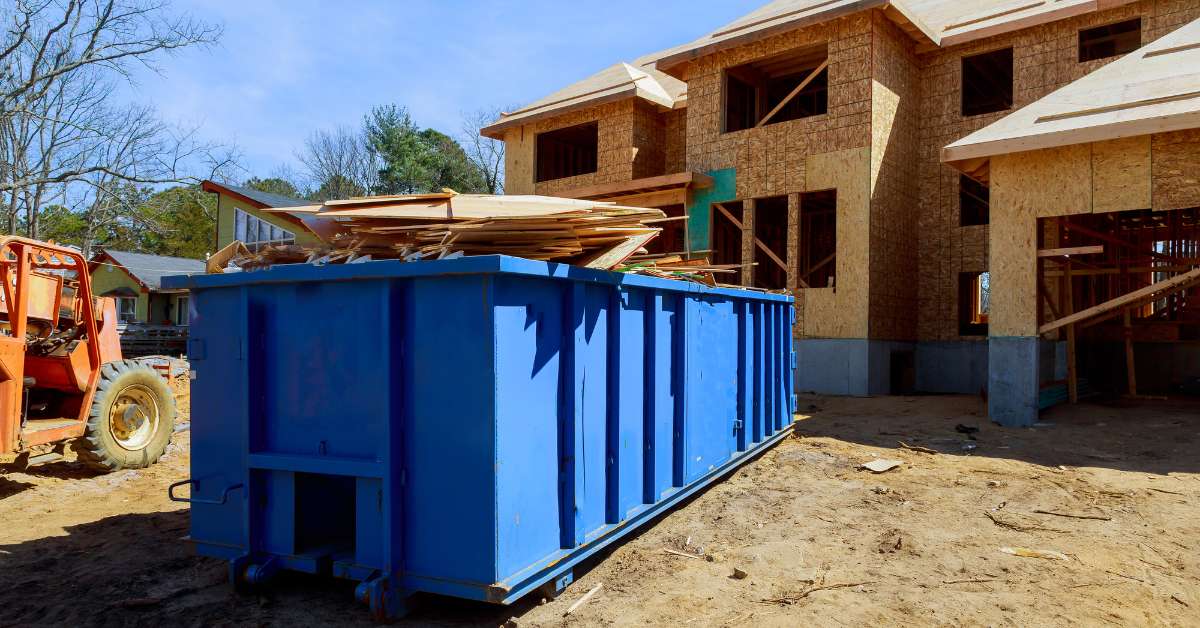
(592, 234)
(675, 267)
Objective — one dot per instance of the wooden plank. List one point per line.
(1072, 250)
(759, 243)
(1178, 282)
(795, 92)
(619, 253)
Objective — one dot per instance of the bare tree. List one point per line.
(486, 154)
(58, 130)
(339, 164)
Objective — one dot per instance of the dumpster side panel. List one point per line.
(216, 351)
(449, 508)
(662, 382)
(314, 370)
(711, 385)
(627, 385)
(529, 354)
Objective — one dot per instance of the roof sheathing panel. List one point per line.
(1152, 90)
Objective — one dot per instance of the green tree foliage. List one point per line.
(178, 221)
(274, 185)
(417, 161)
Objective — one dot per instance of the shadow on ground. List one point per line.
(136, 570)
(1149, 436)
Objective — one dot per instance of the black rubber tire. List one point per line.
(97, 448)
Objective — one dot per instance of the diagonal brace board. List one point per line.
(1176, 283)
(759, 243)
(795, 92)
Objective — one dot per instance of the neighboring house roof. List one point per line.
(623, 80)
(932, 22)
(148, 270)
(261, 200)
(1152, 90)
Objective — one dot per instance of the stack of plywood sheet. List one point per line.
(594, 234)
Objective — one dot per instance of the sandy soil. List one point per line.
(819, 540)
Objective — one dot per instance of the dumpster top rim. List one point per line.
(476, 265)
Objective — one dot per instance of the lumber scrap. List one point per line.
(1149, 293)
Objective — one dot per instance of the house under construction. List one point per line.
(962, 195)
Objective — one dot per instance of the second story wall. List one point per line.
(634, 140)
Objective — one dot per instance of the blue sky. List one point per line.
(286, 67)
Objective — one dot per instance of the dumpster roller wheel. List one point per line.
(131, 420)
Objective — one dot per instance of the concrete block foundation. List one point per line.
(1014, 380)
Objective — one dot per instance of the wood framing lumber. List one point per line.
(795, 92)
(1178, 282)
(1070, 226)
(1073, 250)
(759, 243)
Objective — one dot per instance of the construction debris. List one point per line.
(592, 234)
(1035, 553)
(880, 465)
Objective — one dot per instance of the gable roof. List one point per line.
(1151, 90)
(149, 270)
(616, 82)
(933, 23)
(261, 200)
(939, 23)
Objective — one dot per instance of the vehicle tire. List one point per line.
(131, 421)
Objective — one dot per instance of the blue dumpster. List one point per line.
(471, 427)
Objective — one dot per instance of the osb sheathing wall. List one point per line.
(649, 140)
(1044, 59)
(894, 187)
(614, 160)
(675, 153)
(830, 151)
(1161, 172)
(636, 140)
(770, 160)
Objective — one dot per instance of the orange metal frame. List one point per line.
(18, 258)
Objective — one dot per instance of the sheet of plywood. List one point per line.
(1013, 254)
(842, 313)
(1176, 171)
(1121, 174)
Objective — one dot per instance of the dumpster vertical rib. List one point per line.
(568, 414)
(742, 372)
(757, 374)
(612, 473)
(650, 396)
(246, 406)
(679, 378)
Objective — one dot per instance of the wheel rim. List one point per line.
(133, 418)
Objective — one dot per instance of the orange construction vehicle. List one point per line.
(62, 378)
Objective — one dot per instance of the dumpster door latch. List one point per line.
(738, 425)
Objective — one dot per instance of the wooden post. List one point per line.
(748, 242)
(1129, 363)
(793, 242)
(1068, 309)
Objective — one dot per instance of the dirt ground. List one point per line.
(819, 540)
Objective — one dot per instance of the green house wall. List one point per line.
(225, 206)
(107, 277)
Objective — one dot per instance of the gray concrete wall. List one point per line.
(853, 367)
(1014, 380)
(952, 366)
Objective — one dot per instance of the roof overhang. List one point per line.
(640, 84)
(1155, 89)
(744, 32)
